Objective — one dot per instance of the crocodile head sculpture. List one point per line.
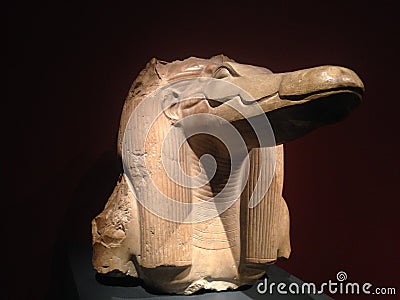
(199, 203)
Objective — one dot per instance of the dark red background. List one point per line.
(70, 68)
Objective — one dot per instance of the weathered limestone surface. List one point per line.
(175, 249)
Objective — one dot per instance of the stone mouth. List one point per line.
(318, 94)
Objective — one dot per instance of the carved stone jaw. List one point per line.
(294, 102)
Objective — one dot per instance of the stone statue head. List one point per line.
(199, 203)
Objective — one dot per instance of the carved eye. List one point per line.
(223, 72)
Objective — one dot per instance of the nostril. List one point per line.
(214, 103)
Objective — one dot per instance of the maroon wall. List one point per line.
(70, 67)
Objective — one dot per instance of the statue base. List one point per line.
(80, 281)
